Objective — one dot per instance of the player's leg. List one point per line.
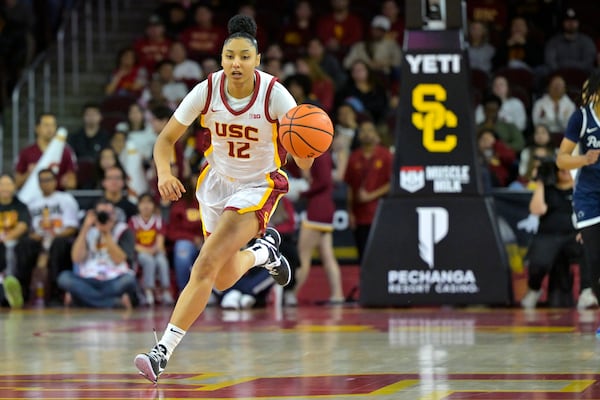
(308, 240)
(591, 238)
(332, 268)
(541, 254)
(232, 232)
(265, 253)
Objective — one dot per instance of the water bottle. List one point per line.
(39, 294)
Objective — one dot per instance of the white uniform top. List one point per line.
(244, 138)
(54, 213)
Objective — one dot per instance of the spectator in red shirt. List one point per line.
(322, 87)
(203, 39)
(184, 232)
(368, 177)
(296, 33)
(129, 77)
(391, 10)
(45, 130)
(154, 45)
(340, 29)
(499, 158)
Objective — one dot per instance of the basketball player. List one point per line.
(237, 190)
(583, 132)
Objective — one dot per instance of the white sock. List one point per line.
(261, 253)
(171, 338)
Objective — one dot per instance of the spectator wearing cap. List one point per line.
(154, 45)
(570, 48)
(382, 54)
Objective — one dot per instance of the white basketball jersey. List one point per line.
(244, 143)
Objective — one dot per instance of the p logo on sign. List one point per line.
(433, 227)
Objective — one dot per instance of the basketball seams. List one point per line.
(300, 139)
(310, 127)
(298, 136)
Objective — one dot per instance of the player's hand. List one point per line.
(304, 163)
(170, 188)
(591, 156)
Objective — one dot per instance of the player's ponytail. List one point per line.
(590, 92)
(242, 26)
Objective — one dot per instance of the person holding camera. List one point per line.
(555, 245)
(102, 255)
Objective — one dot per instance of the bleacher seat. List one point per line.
(480, 80)
(518, 76)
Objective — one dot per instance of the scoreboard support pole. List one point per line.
(435, 239)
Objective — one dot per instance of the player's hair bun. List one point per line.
(242, 24)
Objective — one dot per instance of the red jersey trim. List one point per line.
(250, 103)
(209, 96)
(267, 98)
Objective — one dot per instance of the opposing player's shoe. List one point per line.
(152, 364)
(587, 299)
(531, 298)
(277, 265)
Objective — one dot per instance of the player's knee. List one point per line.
(204, 269)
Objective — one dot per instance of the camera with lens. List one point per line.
(102, 217)
(547, 170)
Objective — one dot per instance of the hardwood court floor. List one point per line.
(306, 353)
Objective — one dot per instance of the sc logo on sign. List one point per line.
(431, 116)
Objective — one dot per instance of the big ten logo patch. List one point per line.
(431, 116)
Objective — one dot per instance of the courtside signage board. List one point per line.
(435, 239)
(434, 251)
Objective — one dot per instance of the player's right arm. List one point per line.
(169, 187)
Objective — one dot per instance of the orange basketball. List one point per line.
(306, 131)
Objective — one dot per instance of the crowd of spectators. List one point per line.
(345, 58)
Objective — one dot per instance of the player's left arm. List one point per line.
(280, 102)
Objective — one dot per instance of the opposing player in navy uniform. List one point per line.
(579, 150)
